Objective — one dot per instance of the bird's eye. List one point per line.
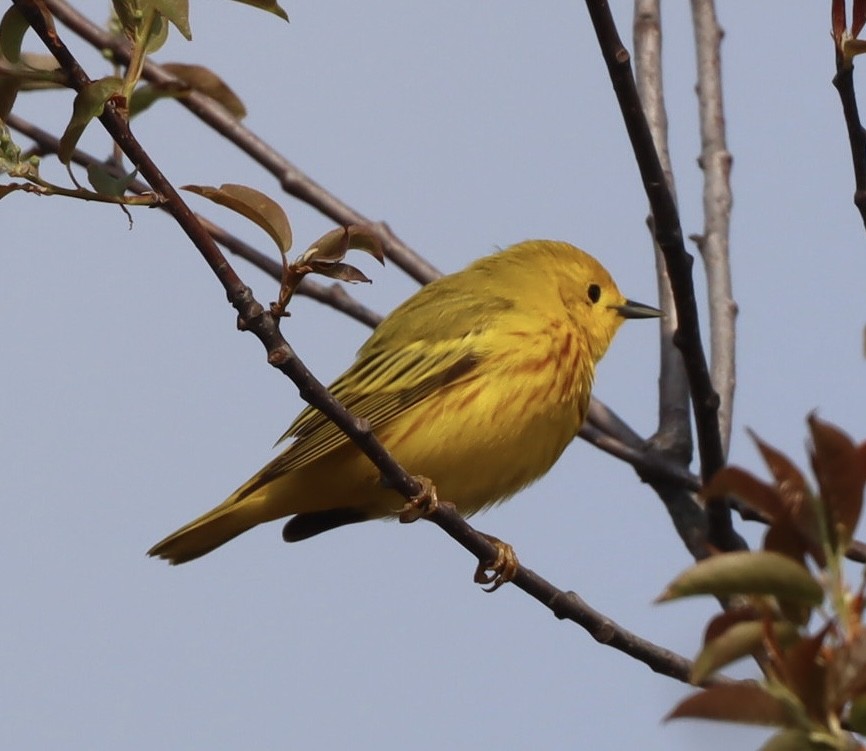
(594, 292)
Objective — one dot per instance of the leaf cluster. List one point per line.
(145, 25)
(814, 684)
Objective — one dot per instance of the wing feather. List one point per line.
(408, 357)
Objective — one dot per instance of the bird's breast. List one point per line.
(497, 429)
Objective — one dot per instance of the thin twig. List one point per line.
(669, 237)
(568, 605)
(714, 243)
(674, 434)
(844, 83)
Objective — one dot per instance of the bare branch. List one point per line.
(253, 317)
(845, 42)
(844, 83)
(674, 432)
(714, 242)
(568, 605)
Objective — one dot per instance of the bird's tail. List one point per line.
(216, 527)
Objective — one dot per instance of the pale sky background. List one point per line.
(131, 404)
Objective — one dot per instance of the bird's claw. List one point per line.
(423, 504)
(501, 569)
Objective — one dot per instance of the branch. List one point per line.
(674, 432)
(844, 83)
(567, 605)
(669, 237)
(846, 45)
(292, 180)
(714, 243)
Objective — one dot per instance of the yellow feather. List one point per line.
(479, 381)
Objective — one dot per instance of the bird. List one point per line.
(478, 381)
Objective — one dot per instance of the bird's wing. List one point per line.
(381, 385)
(433, 339)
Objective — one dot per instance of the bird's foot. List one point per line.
(501, 569)
(423, 504)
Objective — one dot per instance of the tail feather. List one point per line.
(208, 532)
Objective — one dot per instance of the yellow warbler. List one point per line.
(478, 381)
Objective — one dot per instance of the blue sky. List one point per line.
(131, 403)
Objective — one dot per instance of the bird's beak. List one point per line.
(633, 309)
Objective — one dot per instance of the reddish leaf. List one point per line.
(785, 538)
(745, 702)
(847, 670)
(841, 476)
(839, 22)
(88, 104)
(806, 674)
(795, 494)
(733, 481)
(789, 480)
(858, 17)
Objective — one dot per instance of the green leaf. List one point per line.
(176, 11)
(13, 27)
(128, 14)
(737, 641)
(798, 740)
(747, 573)
(796, 496)
(271, 6)
(158, 35)
(107, 183)
(254, 205)
(89, 103)
(789, 480)
(745, 702)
